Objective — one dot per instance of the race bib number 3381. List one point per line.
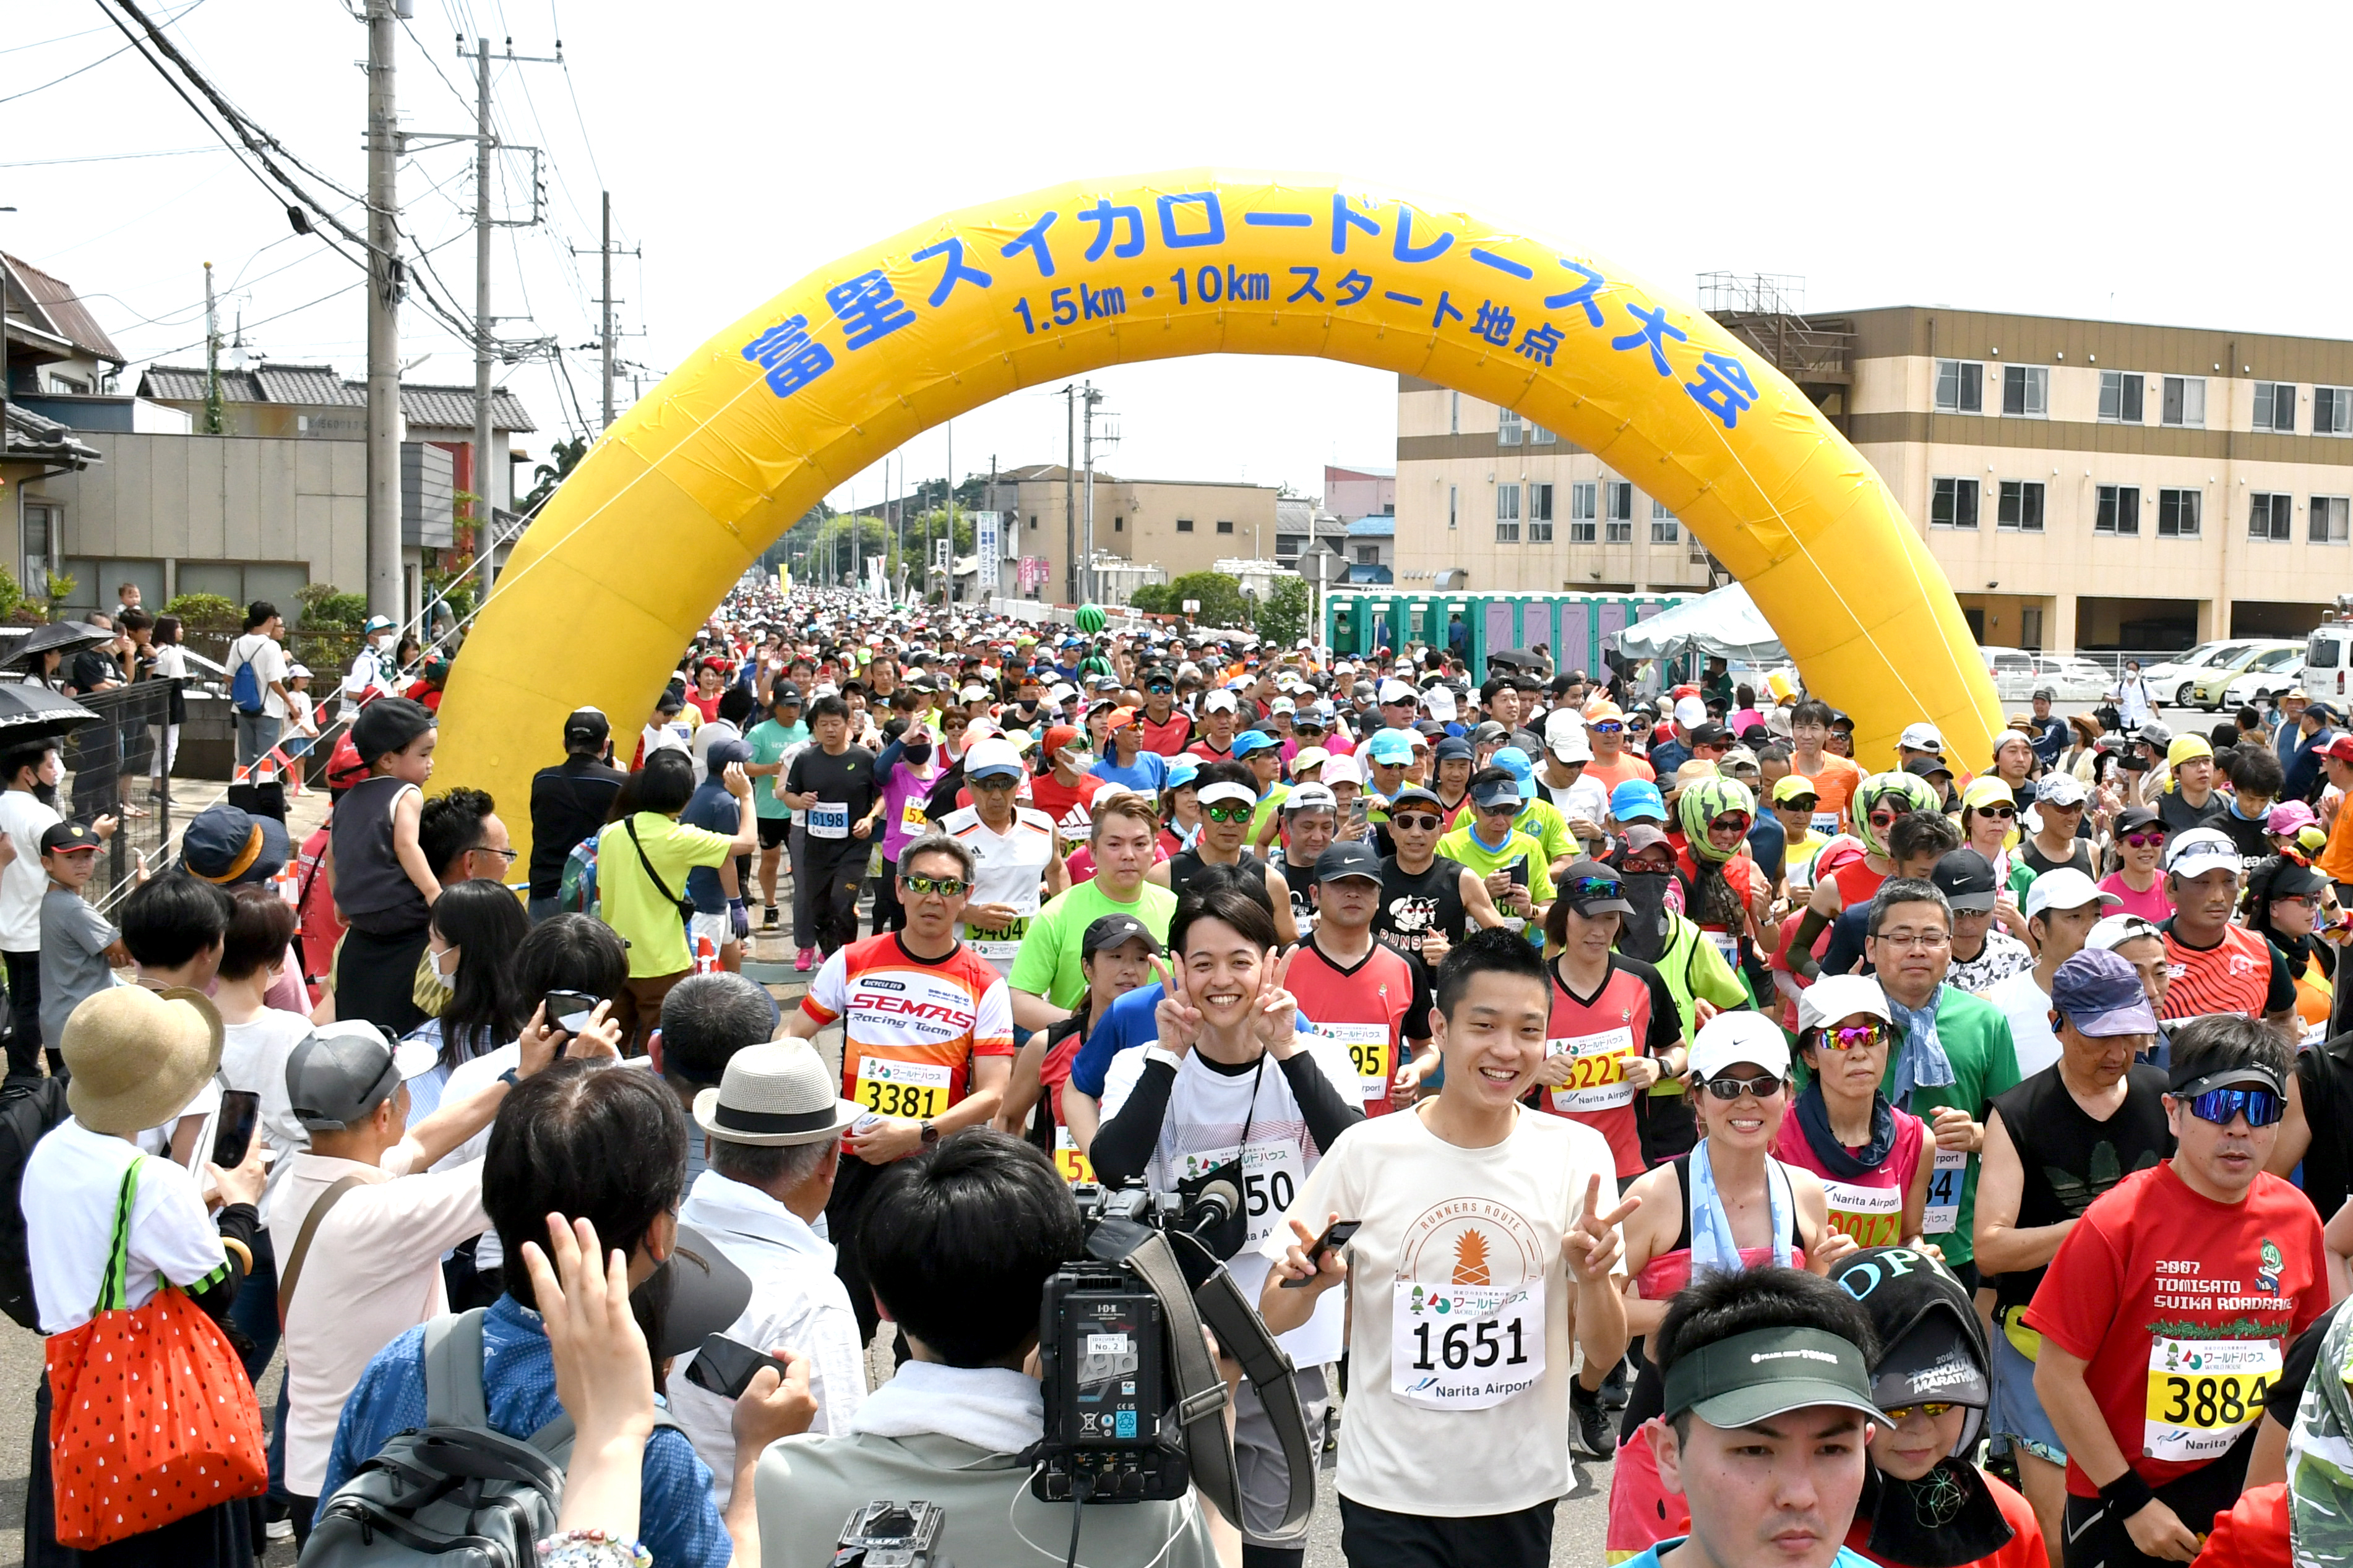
(918, 1090)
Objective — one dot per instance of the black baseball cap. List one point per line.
(700, 1292)
(68, 838)
(1927, 768)
(1765, 1373)
(1348, 860)
(1711, 734)
(2131, 817)
(784, 691)
(587, 726)
(1581, 885)
(1966, 878)
(1110, 931)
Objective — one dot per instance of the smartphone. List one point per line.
(240, 1112)
(569, 1010)
(1336, 1235)
(726, 1367)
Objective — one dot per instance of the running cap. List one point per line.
(1347, 860)
(1791, 788)
(1220, 701)
(1744, 1036)
(1310, 797)
(1182, 771)
(1765, 1373)
(1453, 749)
(1389, 748)
(1565, 737)
(2198, 851)
(2113, 931)
(588, 726)
(1923, 737)
(2069, 888)
(1250, 741)
(1340, 768)
(1414, 794)
(2060, 789)
(1690, 712)
(1394, 691)
(1110, 931)
(991, 756)
(2100, 995)
(2186, 1082)
(1516, 762)
(1966, 878)
(1638, 800)
(1309, 757)
(1226, 789)
(2340, 747)
(1497, 792)
(1836, 996)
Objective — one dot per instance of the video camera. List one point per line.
(1135, 1403)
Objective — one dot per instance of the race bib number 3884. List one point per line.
(2204, 1392)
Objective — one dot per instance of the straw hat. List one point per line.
(138, 1056)
(778, 1092)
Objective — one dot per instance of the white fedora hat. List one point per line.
(777, 1092)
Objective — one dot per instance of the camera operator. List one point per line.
(958, 1244)
(1201, 1107)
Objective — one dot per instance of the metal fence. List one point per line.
(109, 771)
(326, 653)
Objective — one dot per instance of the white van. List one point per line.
(2328, 662)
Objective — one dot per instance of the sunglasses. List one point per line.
(1852, 1037)
(1764, 1086)
(945, 886)
(1731, 821)
(1607, 726)
(1592, 888)
(1160, 690)
(2004, 812)
(1883, 819)
(1903, 1412)
(1230, 813)
(1417, 821)
(2260, 1106)
(2144, 840)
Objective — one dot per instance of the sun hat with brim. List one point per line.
(137, 1057)
(701, 1293)
(1765, 1373)
(1836, 996)
(1742, 1036)
(227, 847)
(776, 1094)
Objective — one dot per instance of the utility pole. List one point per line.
(950, 428)
(606, 251)
(384, 593)
(1089, 589)
(1070, 493)
(212, 359)
(485, 548)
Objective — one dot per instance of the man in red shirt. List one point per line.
(2218, 966)
(1221, 715)
(1165, 729)
(2167, 1313)
(1371, 998)
(1063, 792)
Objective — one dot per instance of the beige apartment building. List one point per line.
(1177, 525)
(2085, 485)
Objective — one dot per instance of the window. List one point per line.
(1540, 437)
(2025, 390)
(1184, 525)
(1540, 514)
(1960, 386)
(1119, 525)
(1952, 503)
(2177, 511)
(1033, 520)
(41, 525)
(239, 581)
(2332, 410)
(2021, 507)
(1507, 515)
(1622, 513)
(1225, 525)
(2276, 406)
(2119, 510)
(2327, 525)
(1369, 554)
(2269, 518)
(1451, 494)
(2185, 400)
(1580, 512)
(1507, 427)
(2120, 394)
(1454, 413)
(1664, 530)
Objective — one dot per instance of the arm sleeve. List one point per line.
(1327, 1113)
(1845, 951)
(1666, 1018)
(1123, 1144)
(2280, 994)
(887, 759)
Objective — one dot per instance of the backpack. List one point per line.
(244, 688)
(456, 1487)
(29, 1107)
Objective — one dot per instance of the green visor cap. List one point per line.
(1765, 1373)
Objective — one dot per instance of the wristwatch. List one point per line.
(931, 1133)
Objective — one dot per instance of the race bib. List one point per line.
(1873, 1215)
(1272, 1174)
(1826, 823)
(1944, 1212)
(1075, 1168)
(998, 944)
(1368, 1048)
(2204, 1392)
(1465, 1347)
(892, 1088)
(912, 818)
(1597, 1081)
(828, 819)
(1727, 943)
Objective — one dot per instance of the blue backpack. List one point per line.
(245, 689)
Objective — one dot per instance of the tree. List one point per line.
(324, 606)
(1153, 599)
(567, 456)
(1221, 598)
(1283, 613)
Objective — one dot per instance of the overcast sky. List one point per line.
(2065, 160)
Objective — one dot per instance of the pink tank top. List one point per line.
(1869, 1207)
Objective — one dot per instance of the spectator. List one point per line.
(642, 861)
(569, 802)
(256, 1039)
(81, 949)
(609, 1148)
(28, 795)
(257, 733)
(959, 1243)
(476, 929)
(383, 882)
(775, 1128)
(463, 839)
(705, 1020)
(173, 930)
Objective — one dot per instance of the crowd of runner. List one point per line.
(1865, 1154)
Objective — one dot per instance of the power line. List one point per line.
(83, 71)
(107, 157)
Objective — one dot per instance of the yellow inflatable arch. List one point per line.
(691, 485)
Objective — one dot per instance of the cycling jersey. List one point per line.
(910, 1026)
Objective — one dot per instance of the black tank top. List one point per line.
(1414, 904)
(2066, 1159)
(372, 887)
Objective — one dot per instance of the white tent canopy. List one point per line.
(1724, 623)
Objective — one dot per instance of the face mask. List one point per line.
(919, 755)
(1644, 934)
(444, 965)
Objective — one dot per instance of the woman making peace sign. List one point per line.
(1234, 1093)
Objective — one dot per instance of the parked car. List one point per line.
(2169, 682)
(2211, 688)
(2014, 671)
(2270, 673)
(2071, 678)
(2327, 661)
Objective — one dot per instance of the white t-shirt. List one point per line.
(1208, 1111)
(2027, 1005)
(253, 1058)
(269, 661)
(1435, 1215)
(24, 819)
(713, 732)
(71, 1183)
(1008, 867)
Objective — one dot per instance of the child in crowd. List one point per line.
(381, 881)
(81, 949)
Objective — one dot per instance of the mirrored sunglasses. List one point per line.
(1228, 813)
(1932, 1409)
(2220, 1105)
(1764, 1086)
(945, 886)
(1852, 1037)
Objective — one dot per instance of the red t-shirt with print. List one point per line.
(1632, 1015)
(1373, 1009)
(2180, 1307)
